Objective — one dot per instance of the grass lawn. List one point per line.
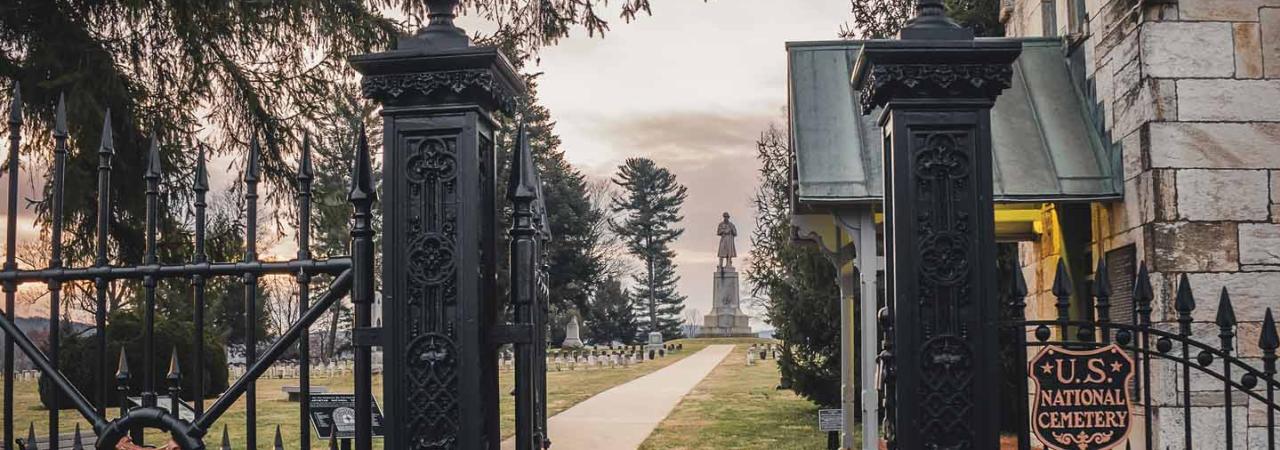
(565, 389)
(737, 407)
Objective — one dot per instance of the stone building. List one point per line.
(1135, 132)
(1188, 91)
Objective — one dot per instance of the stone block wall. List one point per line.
(1189, 91)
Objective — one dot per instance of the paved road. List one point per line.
(622, 417)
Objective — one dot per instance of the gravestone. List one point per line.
(571, 338)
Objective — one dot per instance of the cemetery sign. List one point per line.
(334, 415)
(1082, 398)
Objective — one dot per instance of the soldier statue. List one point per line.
(727, 252)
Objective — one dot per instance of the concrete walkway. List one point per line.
(622, 417)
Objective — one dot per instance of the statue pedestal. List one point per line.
(726, 318)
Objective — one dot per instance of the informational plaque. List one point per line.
(335, 415)
(1082, 398)
(830, 420)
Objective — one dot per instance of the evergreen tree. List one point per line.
(648, 209)
(615, 317)
(802, 300)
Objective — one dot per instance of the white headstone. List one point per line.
(571, 332)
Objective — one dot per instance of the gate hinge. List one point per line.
(368, 337)
(520, 333)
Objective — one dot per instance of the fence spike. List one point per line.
(106, 146)
(175, 374)
(202, 173)
(1061, 280)
(15, 106)
(1269, 339)
(1101, 280)
(1185, 301)
(122, 368)
(252, 167)
(305, 172)
(60, 117)
(31, 437)
(1019, 281)
(77, 442)
(1226, 313)
(153, 159)
(333, 438)
(362, 172)
(226, 438)
(523, 183)
(279, 442)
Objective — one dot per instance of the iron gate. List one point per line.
(1221, 361)
(1147, 340)
(353, 276)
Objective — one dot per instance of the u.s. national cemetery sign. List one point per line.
(1082, 398)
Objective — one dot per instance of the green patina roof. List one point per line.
(1045, 144)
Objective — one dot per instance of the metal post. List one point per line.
(439, 95)
(362, 196)
(10, 256)
(937, 86)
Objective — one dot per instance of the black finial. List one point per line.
(1226, 313)
(1061, 280)
(15, 106)
(122, 367)
(1101, 280)
(305, 172)
(202, 173)
(175, 375)
(1185, 301)
(252, 167)
(1019, 281)
(1142, 293)
(931, 22)
(153, 160)
(226, 438)
(31, 437)
(106, 147)
(60, 117)
(362, 172)
(523, 184)
(1269, 340)
(77, 442)
(279, 442)
(440, 32)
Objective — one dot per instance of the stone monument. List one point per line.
(726, 318)
(571, 334)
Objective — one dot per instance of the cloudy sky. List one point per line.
(691, 87)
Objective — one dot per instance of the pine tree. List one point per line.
(798, 282)
(615, 317)
(648, 209)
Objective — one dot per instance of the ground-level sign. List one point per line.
(830, 420)
(1082, 398)
(339, 410)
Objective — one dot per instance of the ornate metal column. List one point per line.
(439, 96)
(937, 85)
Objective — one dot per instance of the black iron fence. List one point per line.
(351, 275)
(1243, 380)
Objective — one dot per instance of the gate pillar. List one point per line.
(439, 95)
(937, 85)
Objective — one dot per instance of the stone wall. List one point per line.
(1190, 92)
